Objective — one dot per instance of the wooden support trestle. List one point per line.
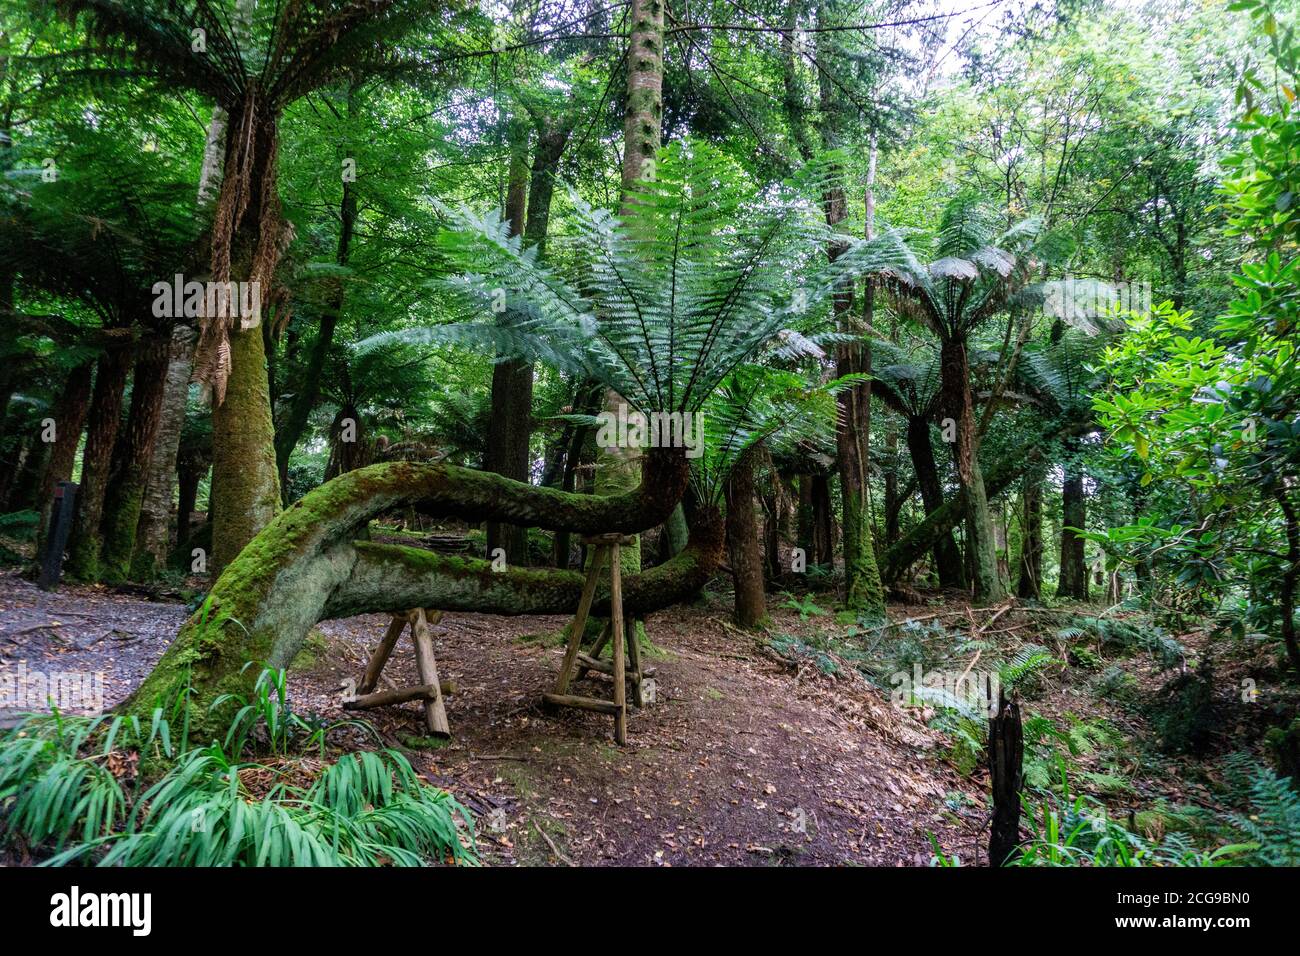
(430, 690)
(605, 547)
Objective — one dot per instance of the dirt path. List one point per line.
(740, 761)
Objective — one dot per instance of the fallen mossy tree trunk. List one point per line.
(308, 565)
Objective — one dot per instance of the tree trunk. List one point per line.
(190, 471)
(1006, 758)
(823, 521)
(1030, 580)
(959, 405)
(245, 491)
(126, 493)
(510, 427)
(34, 462)
(925, 535)
(742, 543)
(947, 556)
(69, 419)
(1073, 582)
(643, 118)
(306, 567)
(307, 393)
(111, 372)
(805, 531)
(153, 537)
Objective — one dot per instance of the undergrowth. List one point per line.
(110, 791)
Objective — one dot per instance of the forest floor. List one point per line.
(759, 749)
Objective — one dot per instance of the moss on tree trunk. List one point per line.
(307, 566)
(245, 490)
(126, 494)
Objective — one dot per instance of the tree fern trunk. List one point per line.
(947, 556)
(111, 372)
(742, 543)
(510, 426)
(126, 493)
(1030, 580)
(1073, 580)
(959, 405)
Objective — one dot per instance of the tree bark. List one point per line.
(111, 372)
(1029, 584)
(1073, 580)
(69, 418)
(153, 537)
(135, 448)
(245, 490)
(510, 427)
(1006, 758)
(959, 405)
(823, 520)
(643, 119)
(947, 556)
(742, 543)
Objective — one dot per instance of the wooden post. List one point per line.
(634, 658)
(435, 714)
(399, 696)
(579, 622)
(381, 653)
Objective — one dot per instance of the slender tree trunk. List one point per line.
(510, 427)
(1073, 582)
(616, 468)
(947, 556)
(190, 470)
(1030, 580)
(863, 590)
(69, 419)
(643, 119)
(153, 537)
(742, 543)
(979, 521)
(823, 520)
(307, 392)
(805, 531)
(111, 373)
(126, 493)
(33, 465)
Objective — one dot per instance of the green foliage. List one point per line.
(80, 788)
(693, 280)
(805, 606)
(1273, 823)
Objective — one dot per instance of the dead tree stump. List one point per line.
(1006, 759)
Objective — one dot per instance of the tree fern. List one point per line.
(692, 281)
